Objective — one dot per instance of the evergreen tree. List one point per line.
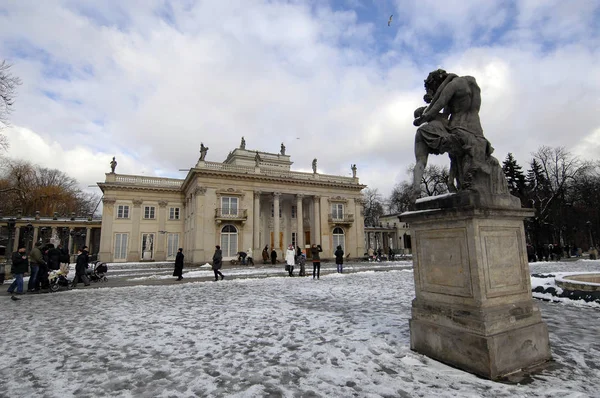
(514, 176)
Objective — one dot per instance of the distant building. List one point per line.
(250, 200)
(389, 232)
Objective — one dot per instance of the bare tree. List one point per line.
(373, 206)
(8, 85)
(400, 198)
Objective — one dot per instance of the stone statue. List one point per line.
(282, 149)
(450, 124)
(353, 168)
(314, 165)
(203, 150)
(113, 165)
(243, 144)
(257, 160)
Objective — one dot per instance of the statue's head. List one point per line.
(433, 82)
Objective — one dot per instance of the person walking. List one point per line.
(37, 260)
(217, 263)
(390, 254)
(273, 257)
(179, 264)
(249, 258)
(20, 265)
(339, 259)
(81, 267)
(53, 257)
(65, 259)
(265, 254)
(290, 259)
(316, 259)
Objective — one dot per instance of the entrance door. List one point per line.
(147, 246)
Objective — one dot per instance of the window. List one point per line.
(172, 245)
(229, 237)
(294, 240)
(121, 246)
(273, 210)
(149, 212)
(122, 211)
(338, 238)
(293, 211)
(174, 213)
(337, 211)
(229, 206)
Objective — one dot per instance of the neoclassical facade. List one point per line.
(250, 200)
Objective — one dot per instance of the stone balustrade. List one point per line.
(146, 181)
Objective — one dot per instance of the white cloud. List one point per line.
(111, 78)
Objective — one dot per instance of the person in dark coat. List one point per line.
(265, 254)
(339, 259)
(37, 263)
(316, 259)
(179, 264)
(65, 259)
(273, 257)
(217, 263)
(80, 267)
(53, 257)
(20, 265)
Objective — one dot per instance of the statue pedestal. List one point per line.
(473, 307)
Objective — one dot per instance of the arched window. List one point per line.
(229, 241)
(338, 238)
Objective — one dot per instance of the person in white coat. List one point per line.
(290, 256)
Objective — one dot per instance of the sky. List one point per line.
(147, 81)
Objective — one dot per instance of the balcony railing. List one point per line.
(341, 218)
(231, 214)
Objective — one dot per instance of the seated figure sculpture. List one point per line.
(450, 124)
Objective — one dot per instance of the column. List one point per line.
(36, 231)
(70, 242)
(135, 239)
(15, 242)
(160, 252)
(256, 226)
(202, 252)
(276, 222)
(317, 218)
(88, 236)
(299, 222)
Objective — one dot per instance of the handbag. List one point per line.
(287, 267)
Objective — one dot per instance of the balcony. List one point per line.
(345, 219)
(227, 214)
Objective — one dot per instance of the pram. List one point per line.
(97, 272)
(56, 279)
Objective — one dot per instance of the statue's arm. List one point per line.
(442, 100)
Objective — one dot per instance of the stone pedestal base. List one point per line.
(473, 307)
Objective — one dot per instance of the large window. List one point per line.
(149, 212)
(122, 211)
(229, 241)
(337, 211)
(229, 206)
(121, 246)
(293, 211)
(172, 245)
(273, 210)
(338, 238)
(174, 213)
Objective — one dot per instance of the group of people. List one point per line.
(217, 263)
(41, 261)
(378, 256)
(551, 252)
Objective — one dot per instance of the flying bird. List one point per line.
(390, 20)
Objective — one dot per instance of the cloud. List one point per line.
(148, 81)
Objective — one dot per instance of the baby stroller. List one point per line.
(56, 279)
(97, 272)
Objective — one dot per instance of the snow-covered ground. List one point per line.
(341, 336)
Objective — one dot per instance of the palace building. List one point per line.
(250, 200)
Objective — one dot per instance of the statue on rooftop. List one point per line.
(450, 124)
(282, 149)
(314, 165)
(113, 165)
(257, 160)
(353, 168)
(203, 150)
(243, 143)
